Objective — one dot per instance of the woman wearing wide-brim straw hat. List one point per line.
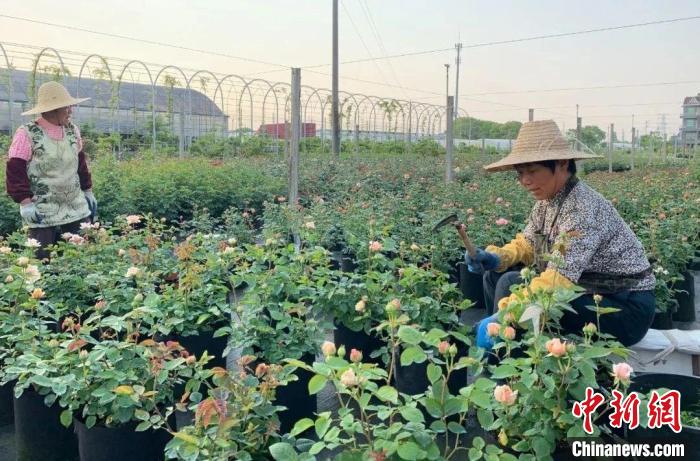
(47, 173)
(591, 245)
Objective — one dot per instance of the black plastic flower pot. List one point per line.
(471, 285)
(204, 341)
(685, 298)
(6, 404)
(662, 321)
(689, 389)
(295, 396)
(340, 260)
(360, 340)
(39, 434)
(100, 443)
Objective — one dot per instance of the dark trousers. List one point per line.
(50, 235)
(628, 325)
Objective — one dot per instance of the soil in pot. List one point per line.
(100, 443)
(39, 434)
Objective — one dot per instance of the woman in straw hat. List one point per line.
(601, 253)
(47, 173)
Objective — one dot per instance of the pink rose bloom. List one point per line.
(505, 395)
(443, 347)
(349, 379)
(328, 348)
(556, 347)
(355, 356)
(375, 246)
(509, 333)
(493, 329)
(502, 221)
(622, 372)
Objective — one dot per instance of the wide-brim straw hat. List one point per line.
(538, 141)
(52, 95)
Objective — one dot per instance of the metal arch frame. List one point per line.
(277, 107)
(316, 91)
(340, 109)
(9, 89)
(36, 63)
(361, 104)
(220, 88)
(373, 113)
(189, 94)
(426, 107)
(153, 99)
(109, 71)
(414, 110)
(250, 95)
(439, 112)
(150, 77)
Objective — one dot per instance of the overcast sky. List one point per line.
(298, 33)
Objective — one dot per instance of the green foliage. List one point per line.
(591, 136)
(473, 128)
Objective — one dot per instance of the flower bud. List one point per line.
(360, 306)
(555, 347)
(509, 333)
(503, 438)
(355, 356)
(505, 395)
(393, 306)
(443, 347)
(22, 261)
(597, 298)
(38, 293)
(328, 349)
(83, 354)
(452, 350)
(493, 329)
(138, 297)
(348, 378)
(570, 348)
(341, 351)
(9, 279)
(590, 328)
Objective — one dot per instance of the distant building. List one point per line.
(279, 130)
(128, 114)
(690, 126)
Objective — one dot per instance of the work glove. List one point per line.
(30, 214)
(482, 261)
(92, 203)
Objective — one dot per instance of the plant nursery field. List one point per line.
(203, 314)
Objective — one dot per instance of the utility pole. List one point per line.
(449, 141)
(530, 115)
(458, 47)
(334, 105)
(610, 143)
(447, 80)
(578, 130)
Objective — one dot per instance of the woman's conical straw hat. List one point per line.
(538, 141)
(52, 95)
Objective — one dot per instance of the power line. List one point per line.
(362, 40)
(520, 40)
(140, 40)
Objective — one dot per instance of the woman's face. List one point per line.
(60, 117)
(540, 181)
